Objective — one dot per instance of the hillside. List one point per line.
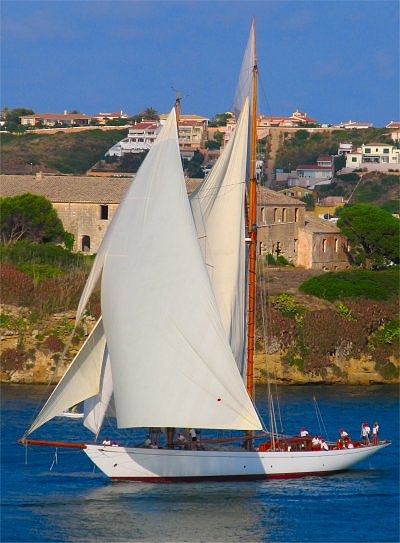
(310, 340)
(63, 152)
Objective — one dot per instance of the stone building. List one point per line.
(86, 206)
(285, 229)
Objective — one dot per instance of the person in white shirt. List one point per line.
(365, 431)
(316, 442)
(324, 445)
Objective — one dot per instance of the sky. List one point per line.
(335, 60)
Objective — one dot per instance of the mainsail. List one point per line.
(171, 362)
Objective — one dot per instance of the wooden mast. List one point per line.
(252, 229)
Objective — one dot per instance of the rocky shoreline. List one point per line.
(38, 362)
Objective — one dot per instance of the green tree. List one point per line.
(29, 217)
(193, 166)
(308, 199)
(150, 114)
(220, 119)
(373, 235)
(12, 117)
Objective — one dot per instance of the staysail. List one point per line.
(95, 407)
(171, 362)
(80, 381)
(223, 242)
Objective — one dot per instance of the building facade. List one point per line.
(374, 156)
(86, 205)
(285, 229)
(140, 138)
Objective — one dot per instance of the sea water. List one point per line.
(53, 495)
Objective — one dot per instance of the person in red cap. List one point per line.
(304, 433)
(344, 437)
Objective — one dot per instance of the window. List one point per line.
(263, 216)
(85, 244)
(324, 245)
(104, 212)
(336, 245)
(296, 214)
(386, 151)
(353, 159)
(367, 150)
(275, 214)
(284, 214)
(295, 245)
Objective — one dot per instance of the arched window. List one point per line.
(284, 214)
(336, 245)
(85, 244)
(275, 214)
(324, 245)
(296, 214)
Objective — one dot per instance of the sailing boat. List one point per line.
(175, 342)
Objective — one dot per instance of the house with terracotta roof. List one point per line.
(102, 118)
(56, 119)
(394, 130)
(297, 119)
(310, 175)
(349, 125)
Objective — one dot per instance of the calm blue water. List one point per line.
(68, 501)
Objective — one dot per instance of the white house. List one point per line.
(140, 138)
(374, 156)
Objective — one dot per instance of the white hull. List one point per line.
(158, 465)
(69, 415)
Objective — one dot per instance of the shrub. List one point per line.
(53, 344)
(16, 286)
(355, 283)
(12, 360)
(285, 304)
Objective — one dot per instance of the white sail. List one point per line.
(81, 380)
(222, 196)
(245, 83)
(95, 408)
(171, 362)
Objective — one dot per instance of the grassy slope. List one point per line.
(63, 152)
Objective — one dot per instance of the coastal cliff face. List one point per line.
(30, 354)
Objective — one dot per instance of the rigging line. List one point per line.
(267, 330)
(261, 296)
(52, 378)
(320, 419)
(263, 94)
